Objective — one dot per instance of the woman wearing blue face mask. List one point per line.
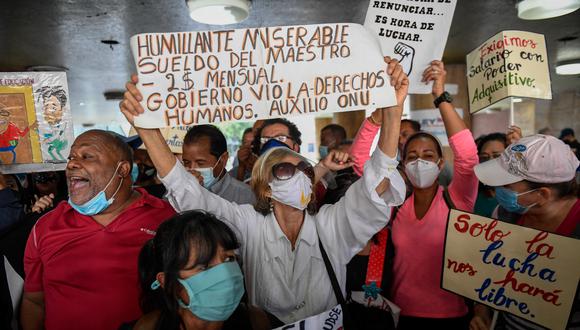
(535, 187)
(190, 278)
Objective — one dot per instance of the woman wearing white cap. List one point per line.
(536, 188)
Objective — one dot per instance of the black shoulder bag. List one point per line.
(346, 320)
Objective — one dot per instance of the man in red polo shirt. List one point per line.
(81, 258)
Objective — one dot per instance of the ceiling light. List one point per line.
(542, 9)
(516, 100)
(218, 12)
(568, 67)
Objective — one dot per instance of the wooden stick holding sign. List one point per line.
(190, 78)
(529, 273)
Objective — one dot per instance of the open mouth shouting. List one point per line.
(78, 186)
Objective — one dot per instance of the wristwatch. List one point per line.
(445, 97)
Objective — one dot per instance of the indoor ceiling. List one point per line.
(81, 36)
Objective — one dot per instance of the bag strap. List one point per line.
(332, 276)
(447, 198)
(376, 264)
(346, 320)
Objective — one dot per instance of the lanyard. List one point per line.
(375, 266)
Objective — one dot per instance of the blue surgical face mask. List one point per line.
(508, 199)
(98, 203)
(213, 294)
(207, 174)
(134, 173)
(323, 151)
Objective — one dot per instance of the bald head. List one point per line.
(99, 160)
(119, 150)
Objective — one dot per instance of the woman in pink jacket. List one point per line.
(418, 230)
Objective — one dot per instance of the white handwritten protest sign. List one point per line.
(511, 63)
(190, 78)
(329, 320)
(412, 32)
(526, 272)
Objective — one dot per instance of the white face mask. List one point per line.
(293, 192)
(422, 173)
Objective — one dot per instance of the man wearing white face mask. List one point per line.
(81, 258)
(205, 155)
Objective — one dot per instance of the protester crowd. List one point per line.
(129, 238)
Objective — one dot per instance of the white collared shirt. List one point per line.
(233, 190)
(294, 284)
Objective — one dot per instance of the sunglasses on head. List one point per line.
(284, 171)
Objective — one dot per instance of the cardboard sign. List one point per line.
(412, 32)
(329, 320)
(531, 274)
(432, 122)
(173, 137)
(190, 78)
(511, 63)
(35, 119)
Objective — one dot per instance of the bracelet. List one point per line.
(373, 121)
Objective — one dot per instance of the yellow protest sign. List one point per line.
(511, 63)
(173, 137)
(529, 273)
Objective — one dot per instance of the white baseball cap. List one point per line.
(536, 158)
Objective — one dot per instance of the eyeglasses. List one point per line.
(284, 171)
(281, 138)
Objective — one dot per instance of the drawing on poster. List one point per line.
(54, 100)
(36, 128)
(407, 56)
(16, 122)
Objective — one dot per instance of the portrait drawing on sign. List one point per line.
(13, 130)
(54, 100)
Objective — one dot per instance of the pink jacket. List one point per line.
(419, 243)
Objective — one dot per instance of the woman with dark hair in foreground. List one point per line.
(190, 278)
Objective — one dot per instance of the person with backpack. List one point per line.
(535, 186)
(419, 224)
